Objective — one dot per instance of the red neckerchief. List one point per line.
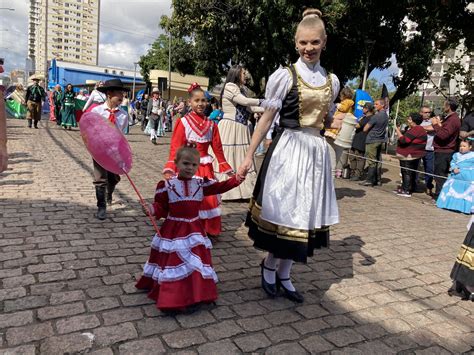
(199, 124)
(112, 117)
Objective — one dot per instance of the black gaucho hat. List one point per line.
(111, 85)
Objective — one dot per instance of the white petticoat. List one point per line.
(298, 190)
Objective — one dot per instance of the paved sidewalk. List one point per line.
(68, 279)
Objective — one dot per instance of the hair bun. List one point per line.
(190, 144)
(311, 11)
(193, 87)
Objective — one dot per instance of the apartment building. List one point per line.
(67, 30)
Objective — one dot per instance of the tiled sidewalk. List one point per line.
(68, 279)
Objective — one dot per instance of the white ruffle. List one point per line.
(208, 214)
(180, 244)
(191, 263)
(207, 159)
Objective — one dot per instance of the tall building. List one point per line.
(67, 30)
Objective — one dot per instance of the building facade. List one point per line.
(66, 30)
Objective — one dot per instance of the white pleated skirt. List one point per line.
(298, 191)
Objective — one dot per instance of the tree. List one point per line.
(158, 56)
(260, 35)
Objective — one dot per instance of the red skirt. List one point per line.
(179, 271)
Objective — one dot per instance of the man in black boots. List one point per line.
(105, 181)
(35, 95)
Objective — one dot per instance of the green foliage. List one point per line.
(260, 35)
(407, 106)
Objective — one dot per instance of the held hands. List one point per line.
(244, 167)
(456, 171)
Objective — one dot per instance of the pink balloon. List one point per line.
(107, 145)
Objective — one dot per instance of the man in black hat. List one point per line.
(35, 94)
(105, 181)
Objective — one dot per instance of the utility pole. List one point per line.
(46, 46)
(369, 44)
(134, 79)
(169, 66)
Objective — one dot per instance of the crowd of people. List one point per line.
(298, 121)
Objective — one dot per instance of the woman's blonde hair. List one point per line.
(312, 18)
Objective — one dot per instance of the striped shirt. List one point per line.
(412, 144)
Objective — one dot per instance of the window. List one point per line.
(106, 71)
(114, 72)
(121, 73)
(78, 56)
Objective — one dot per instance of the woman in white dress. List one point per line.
(96, 98)
(294, 200)
(234, 130)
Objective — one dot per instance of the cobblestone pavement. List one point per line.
(68, 279)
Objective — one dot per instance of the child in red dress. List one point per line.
(179, 271)
(197, 128)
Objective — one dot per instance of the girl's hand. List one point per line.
(240, 178)
(168, 175)
(245, 167)
(456, 171)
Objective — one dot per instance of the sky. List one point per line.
(127, 29)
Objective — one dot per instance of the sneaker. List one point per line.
(404, 194)
(398, 190)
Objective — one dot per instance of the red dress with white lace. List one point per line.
(179, 270)
(202, 131)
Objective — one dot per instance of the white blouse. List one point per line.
(95, 96)
(280, 83)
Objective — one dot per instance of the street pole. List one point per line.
(46, 47)
(134, 79)
(169, 66)
(368, 49)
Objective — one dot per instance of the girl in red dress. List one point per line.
(197, 128)
(179, 271)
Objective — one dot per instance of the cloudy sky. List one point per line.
(127, 27)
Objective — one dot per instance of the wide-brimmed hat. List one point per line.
(36, 77)
(111, 85)
(156, 90)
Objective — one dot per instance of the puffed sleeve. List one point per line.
(216, 145)
(278, 86)
(160, 205)
(177, 141)
(233, 94)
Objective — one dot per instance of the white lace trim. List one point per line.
(191, 263)
(180, 244)
(207, 159)
(178, 219)
(208, 214)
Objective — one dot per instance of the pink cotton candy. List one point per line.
(106, 143)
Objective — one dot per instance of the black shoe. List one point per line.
(101, 213)
(366, 183)
(355, 178)
(294, 296)
(153, 141)
(270, 289)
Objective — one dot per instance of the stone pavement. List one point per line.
(68, 279)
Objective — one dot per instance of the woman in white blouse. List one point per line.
(294, 200)
(95, 98)
(234, 130)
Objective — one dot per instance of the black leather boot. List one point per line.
(371, 177)
(100, 192)
(110, 191)
(36, 124)
(30, 123)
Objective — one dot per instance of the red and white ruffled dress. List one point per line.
(179, 270)
(202, 131)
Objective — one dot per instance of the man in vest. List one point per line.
(35, 95)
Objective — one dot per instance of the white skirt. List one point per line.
(298, 191)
